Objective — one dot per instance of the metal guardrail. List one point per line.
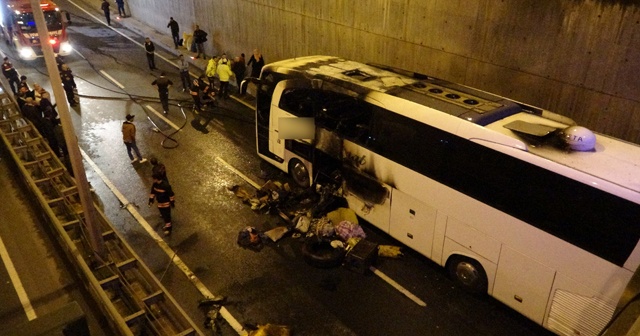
(126, 291)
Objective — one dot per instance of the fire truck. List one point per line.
(19, 28)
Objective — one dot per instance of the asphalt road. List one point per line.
(274, 285)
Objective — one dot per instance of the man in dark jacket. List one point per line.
(33, 113)
(11, 74)
(175, 31)
(163, 84)
(150, 48)
(68, 84)
(105, 8)
(120, 4)
(162, 193)
(239, 68)
(200, 37)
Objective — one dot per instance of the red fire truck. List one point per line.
(19, 27)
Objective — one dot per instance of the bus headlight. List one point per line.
(27, 52)
(65, 47)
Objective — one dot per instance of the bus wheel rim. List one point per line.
(300, 173)
(467, 273)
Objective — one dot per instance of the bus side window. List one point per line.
(299, 102)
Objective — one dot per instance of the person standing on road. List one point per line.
(150, 48)
(256, 62)
(224, 74)
(200, 37)
(238, 67)
(162, 193)
(105, 8)
(200, 92)
(129, 139)
(184, 72)
(120, 4)
(211, 70)
(163, 84)
(175, 31)
(68, 83)
(11, 74)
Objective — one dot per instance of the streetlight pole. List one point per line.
(95, 235)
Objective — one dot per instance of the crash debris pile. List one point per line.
(319, 214)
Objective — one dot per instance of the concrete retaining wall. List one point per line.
(579, 58)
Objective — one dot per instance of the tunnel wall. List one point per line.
(579, 58)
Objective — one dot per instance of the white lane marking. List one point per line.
(112, 79)
(397, 286)
(17, 284)
(244, 177)
(243, 102)
(163, 117)
(375, 271)
(125, 36)
(164, 246)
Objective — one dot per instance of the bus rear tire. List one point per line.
(468, 274)
(299, 173)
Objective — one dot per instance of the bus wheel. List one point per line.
(468, 274)
(299, 173)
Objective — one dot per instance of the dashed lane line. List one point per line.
(397, 286)
(164, 246)
(243, 176)
(113, 80)
(162, 117)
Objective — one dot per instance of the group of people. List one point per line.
(106, 8)
(35, 105)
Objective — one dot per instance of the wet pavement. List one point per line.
(274, 285)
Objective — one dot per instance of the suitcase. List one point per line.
(362, 256)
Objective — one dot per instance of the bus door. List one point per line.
(287, 102)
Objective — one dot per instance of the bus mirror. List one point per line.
(66, 17)
(245, 83)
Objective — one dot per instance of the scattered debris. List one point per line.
(250, 238)
(346, 229)
(389, 251)
(271, 330)
(302, 223)
(319, 214)
(276, 233)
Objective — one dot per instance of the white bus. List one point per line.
(515, 201)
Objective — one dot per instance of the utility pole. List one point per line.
(93, 231)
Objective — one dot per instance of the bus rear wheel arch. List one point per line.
(468, 273)
(299, 173)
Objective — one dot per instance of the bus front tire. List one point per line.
(468, 274)
(299, 173)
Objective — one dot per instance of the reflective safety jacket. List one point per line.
(162, 193)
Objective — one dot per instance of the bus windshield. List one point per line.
(28, 25)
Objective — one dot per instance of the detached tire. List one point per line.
(468, 274)
(320, 253)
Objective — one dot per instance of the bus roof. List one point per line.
(25, 5)
(613, 160)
